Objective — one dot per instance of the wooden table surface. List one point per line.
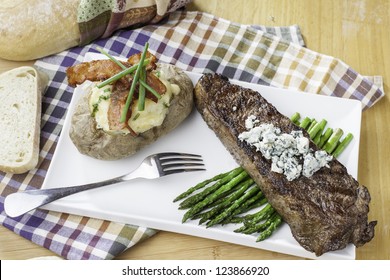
(357, 32)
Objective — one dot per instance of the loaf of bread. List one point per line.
(37, 28)
(20, 117)
(31, 29)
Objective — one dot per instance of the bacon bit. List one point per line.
(96, 70)
(156, 84)
(119, 94)
(135, 58)
(118, 100)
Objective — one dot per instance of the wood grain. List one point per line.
(357, 32)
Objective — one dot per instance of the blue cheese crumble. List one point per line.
(289, 152)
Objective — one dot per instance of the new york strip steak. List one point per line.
(326, 211)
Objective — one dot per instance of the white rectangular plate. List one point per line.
(149, 202)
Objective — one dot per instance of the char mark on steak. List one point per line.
(326, 211)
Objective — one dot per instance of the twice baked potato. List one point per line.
(93, 136)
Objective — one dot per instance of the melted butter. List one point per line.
(98, 106)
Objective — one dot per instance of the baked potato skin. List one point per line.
(101, 145)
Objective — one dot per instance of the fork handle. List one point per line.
(17, 204)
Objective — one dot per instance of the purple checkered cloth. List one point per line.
(193, 41)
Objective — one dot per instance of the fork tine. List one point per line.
(172, 162)
(183, 160)
(170, 157)
(181, 170)
(173, 165)
(173, 154)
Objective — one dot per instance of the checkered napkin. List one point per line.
(193, 41)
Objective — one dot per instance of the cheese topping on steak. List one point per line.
(289, 152)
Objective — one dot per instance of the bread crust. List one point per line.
(98, 144)
(43, 27)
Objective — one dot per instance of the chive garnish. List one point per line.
(133, 84)
(149, 88)
(112, 58)
(95, 108)
(139, 77)
(122, 74)
(142, 91)
(136, 117)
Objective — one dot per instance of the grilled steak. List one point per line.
(325, 211)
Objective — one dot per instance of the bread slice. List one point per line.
(20, 117)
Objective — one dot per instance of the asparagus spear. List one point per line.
(316, 128)
(295, 118)
(332, 142)
(199, 186)
(251, 203)
(248, 205)
(325, 137)
(318, 136)
(227, 195)
(231, 208)
(343, 144)
(257, 227)
(213, 196)
(305, 123)
(191, 201)
(312, 124)
(276, 222)
(217, 209)
(257, 217)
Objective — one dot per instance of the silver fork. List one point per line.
(153, 166)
